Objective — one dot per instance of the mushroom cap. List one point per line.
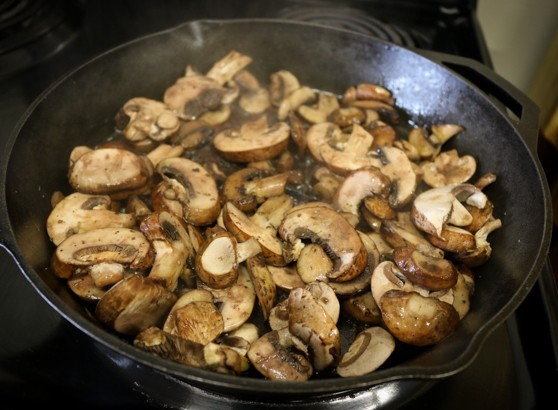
(255, 141)
(111, 171)
(323, 225)
(448, 168)
(192, 96)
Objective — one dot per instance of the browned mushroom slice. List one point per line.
(274, 357)
(111, 171)
(482, 250)
(448, 168)
(424, 268)
(187, 190)
(172, 247)
(285, 278)
(78, 213)
(309, 321)
(199, 321)
(324, 226)
(358, 185)
(396, 234)
(282, 84)
(323, 138)
(265, 288)
(368, 91)
(134, 304)
(243, 228)
(462, 291)
(368, 351)
(218, 258)
(384, 134)
(441, 133)
(145, 118)
(327, 183)
(84, 286)
(313, 263)
(399, 169)
(347, 116)
(115, 245)
(354, 286)
(415, 319)
(255, 141)
(327, 104)
(193, 95)
(212, 356)
(453, 239)
(363, 308)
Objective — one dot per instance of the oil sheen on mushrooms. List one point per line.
(236, 224)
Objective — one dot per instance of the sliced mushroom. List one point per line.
(227, 67)
(78, 213)
(367, 91)
(453, 239)
(309, 321)
(172, 247)
(482, 251)
(272, 211)
(295, 99)
(145, 118)
(327, 104)
(187, 190)
(313, 263)
(286, 277)
(243, 228)
(363, 308)
(399, 169)
(415, 319)
(263, 283)
(193, 95)
(449, 168)
(84, 286)
(105, 274)
(255, 141)
(358, 185)
(323, 225)
(111, 171)
(198, 321)
(326, 297)
(425, 269)
(235, 302)
(368, 351)
(279, 315)
(218, 258)
(255, 102)
(274, 357)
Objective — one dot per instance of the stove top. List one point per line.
(45, 360)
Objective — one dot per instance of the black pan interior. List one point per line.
(80, 110)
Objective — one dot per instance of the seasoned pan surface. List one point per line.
(80, 108)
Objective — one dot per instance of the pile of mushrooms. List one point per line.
(233, 225)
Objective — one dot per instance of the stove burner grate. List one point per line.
(355, 20)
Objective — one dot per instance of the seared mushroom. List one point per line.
(309, 321)
(78, 213)
(399, 169)
(254, 141)
(323, 225)
(368, 351)
(415, 319)
(482, 250)
(147, 119)
(193, 95)
(313, 263)
(198, 321)
(265, 288)
(363, 308)
(327, 104)
(218, 258)
(187, 190)
(273, 356)
(110, 171)
(286, 277)
(448, 168)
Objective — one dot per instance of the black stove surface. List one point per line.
(44, 360)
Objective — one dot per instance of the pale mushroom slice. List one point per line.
(213, 357)
(78, 213)
(309, 322)
(255, 141)
(243, 228)
(218, 258)
(172, 247)
(198, 321)
(417, 320)
(341, 154)
(326, 297)
(282, 84)
(482, 250)
(368, 351)
(434, 208)
(294, 100)
(424, 268)
(187, 190)
(448, 168)
(286, 278)
(274, 356)
(110, 171)
(313, 263)
(236, 302)
(326, 105)
(144, 118)
(272, 211)
(193, 95)
(162, 151)
(323, 225)
(227, 67)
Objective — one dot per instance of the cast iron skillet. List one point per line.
(501, 132)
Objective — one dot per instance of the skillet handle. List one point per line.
(522, 111)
